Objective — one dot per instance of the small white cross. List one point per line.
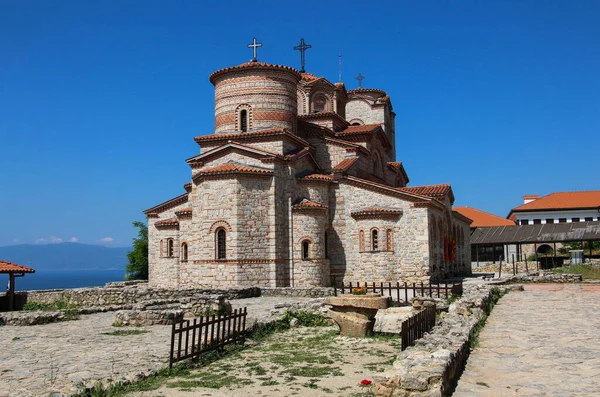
(254, 46)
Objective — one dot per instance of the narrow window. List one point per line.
(184, 252)
(305, 247)
(389, 239)
(574, 219)
(361, 241)
(374, 240)
(170, 247)
(162, 248)
(562, 220)
(550, 220)
(221, 240)
(326, 245)
(244, 120)
(537, 221)
(589, 219)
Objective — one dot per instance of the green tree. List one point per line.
(137, 268)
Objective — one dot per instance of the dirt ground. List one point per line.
(304, 361)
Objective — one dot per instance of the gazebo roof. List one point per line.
(8, 267)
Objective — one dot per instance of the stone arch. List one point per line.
(243, 110)
(224, 224)
(357, 122)
(545, 249)
(184, 251)
(302, 102)
(375, 239)
(320, 102)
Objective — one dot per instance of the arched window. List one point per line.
(244, 120)
(374, 240)
(184, 252)
(170, 247)
(389, 240)
(361, 241)
(319, 103)
(221, 239)
(305, 249)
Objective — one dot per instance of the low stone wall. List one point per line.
(313, 292)
(33, 318)
(151, 313)
(544, 278)
(434, 364)
(130, 293)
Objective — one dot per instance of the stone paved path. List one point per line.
(40, 359)
(540, 342)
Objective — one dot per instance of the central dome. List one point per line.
(255, 95)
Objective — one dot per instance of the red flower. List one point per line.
(365, 382)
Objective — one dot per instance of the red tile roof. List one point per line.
(252, 65)
(307, 204)
(167, 222)
(9, 267)
(309, 77)
(345, 164)
(317, 177)
(232, 168)
(184, 211)
(482, 218)
(359, 129)
(251, 134)
(365, 90)
(376, 211)
(435, 191)
(563, 200)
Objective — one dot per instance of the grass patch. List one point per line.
(588, 272)
(306, 319)
(314, 372)
(125, 332)
(210, 381)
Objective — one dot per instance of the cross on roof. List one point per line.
(360, 78)
(254, 46)
(302, 48)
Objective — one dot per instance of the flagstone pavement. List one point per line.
(539, 342)
(40, 359)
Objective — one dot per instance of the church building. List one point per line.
(300, 183)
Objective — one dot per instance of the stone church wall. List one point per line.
(360, 109)
(409, 260)
(314, 270)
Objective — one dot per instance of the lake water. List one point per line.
(53, 279)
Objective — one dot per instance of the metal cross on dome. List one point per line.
(360, 78)
(254, 46)
(302, 48)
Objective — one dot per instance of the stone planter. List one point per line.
(355, 314)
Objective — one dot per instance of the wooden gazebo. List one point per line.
(13, 270)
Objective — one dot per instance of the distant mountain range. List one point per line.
(66, 256)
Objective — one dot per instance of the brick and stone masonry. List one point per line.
(297, 160)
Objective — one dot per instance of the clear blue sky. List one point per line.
(99, 103)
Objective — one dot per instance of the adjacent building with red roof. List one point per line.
(299, 183)
(483, 219)
(559, 207)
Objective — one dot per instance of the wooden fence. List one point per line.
(192, 338)
(402, 292)
(414, 327)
